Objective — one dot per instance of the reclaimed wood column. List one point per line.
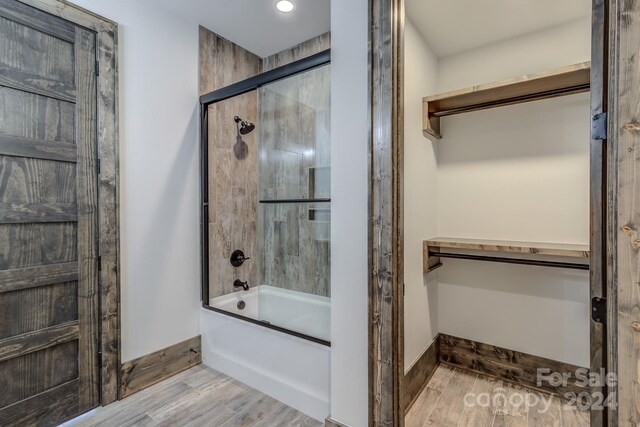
(386, 344)
(624, 209)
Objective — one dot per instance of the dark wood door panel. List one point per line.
(20, 345)
(49, 408)
(30, 245)
(48, 218)
(34, 52)
(24, 180)
(21, 213)
(42, 275)
(34, 18)
(37, 308)
(30, 115)
(87, 188)
(37, 149)
(26, 376)
(35, 84)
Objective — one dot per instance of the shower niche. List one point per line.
(266, 192)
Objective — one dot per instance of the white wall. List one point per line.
(532, 53)
(349, 211)
(159, 215)
(420, 188)
(516, 173)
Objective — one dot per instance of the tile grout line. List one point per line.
(151, 416)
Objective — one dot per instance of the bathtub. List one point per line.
(305, 314)
(278, 344)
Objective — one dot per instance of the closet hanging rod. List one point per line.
(511, 101)
(277, 201)
(541, 263)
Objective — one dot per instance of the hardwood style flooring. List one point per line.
(197, 397)
(442, 403)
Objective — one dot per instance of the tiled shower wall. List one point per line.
(293, 254)
(232, 162)
(294, 163)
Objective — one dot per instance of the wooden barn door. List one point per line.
(48, 218)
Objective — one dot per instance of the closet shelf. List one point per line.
(563, 81)
(432, 252)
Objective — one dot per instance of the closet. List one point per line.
(503, 217)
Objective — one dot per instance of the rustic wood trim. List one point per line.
(623, 258)
(20, 345)
(34, 148)
(598, 193)
(32, 83)
(47, 409)
(42, 275)
(330, 422)
(416, 379)
(109, 215)
(550, 84)
(108, 182)
(386, 330)
(509, 365)
(24, 213)
(152, 368)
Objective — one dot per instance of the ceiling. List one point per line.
(256, 25)
(454, 26)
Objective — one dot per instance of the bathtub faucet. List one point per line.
(240, 284)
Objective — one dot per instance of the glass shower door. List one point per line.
(294, 211)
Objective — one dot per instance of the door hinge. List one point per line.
(599, 126)
(99, 263)
(599, 310)
(97, 68)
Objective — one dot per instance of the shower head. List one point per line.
(245, 126)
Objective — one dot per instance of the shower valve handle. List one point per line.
(237, 258)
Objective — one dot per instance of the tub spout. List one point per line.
(240, 284)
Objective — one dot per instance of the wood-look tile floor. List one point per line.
(194, 398)
(442, 403)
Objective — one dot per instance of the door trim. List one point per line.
(108, 185)
(386, 305)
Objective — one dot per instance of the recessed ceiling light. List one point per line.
(285, 6)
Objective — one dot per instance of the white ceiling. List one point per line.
(256, 25)
(454, 26)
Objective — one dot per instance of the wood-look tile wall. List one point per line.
(232, 162)
(294, 163)
(300, 51)
(288, 249)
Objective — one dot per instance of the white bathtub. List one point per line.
(291, 369)
(297, 311)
